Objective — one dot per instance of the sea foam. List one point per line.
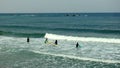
(79, 58)
(86, 39)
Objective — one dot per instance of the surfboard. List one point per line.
(50, 43)
(79, 46)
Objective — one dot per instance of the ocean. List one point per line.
(98, 35)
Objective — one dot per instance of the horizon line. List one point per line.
(52, 12)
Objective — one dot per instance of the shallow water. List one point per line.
(15, 52)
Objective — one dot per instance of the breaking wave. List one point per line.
(87, 39)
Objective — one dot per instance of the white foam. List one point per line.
(79, 58)
(87, 39)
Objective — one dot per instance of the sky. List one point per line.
(58, 6)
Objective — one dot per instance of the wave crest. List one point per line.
(87, 39)
(22, 34)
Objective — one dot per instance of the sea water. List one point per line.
(98, 35)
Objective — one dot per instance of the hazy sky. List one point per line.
(48, 6)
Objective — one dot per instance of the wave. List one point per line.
(87, 39)
(79, 58)
(30, 27)
(64, 29)
(90, 30)
(22, 26)
(35, 35)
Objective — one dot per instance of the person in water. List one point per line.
(46, 40)
(77, 45)
(28, 40)
(56, 42)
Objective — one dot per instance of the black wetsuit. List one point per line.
(46, 40)
(77, 45)
(56, 42)
(28, 40)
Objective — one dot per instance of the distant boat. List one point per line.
(73, 15)
(67, 15)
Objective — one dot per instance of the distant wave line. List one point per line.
(22, 34)
(95, 30)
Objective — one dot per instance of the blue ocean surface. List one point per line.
(98, 35)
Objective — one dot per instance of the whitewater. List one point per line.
(90, 52)
(87, 39)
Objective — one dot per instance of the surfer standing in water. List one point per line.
(77, 45)
(46, 40)
(56, 42)
(28, 40)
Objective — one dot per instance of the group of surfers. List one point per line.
(56, 42)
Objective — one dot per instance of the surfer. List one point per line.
(77, 45)
(28, 40)
(56, 42)
(46, 40)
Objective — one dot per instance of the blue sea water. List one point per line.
(88, 25)
(97, 33)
